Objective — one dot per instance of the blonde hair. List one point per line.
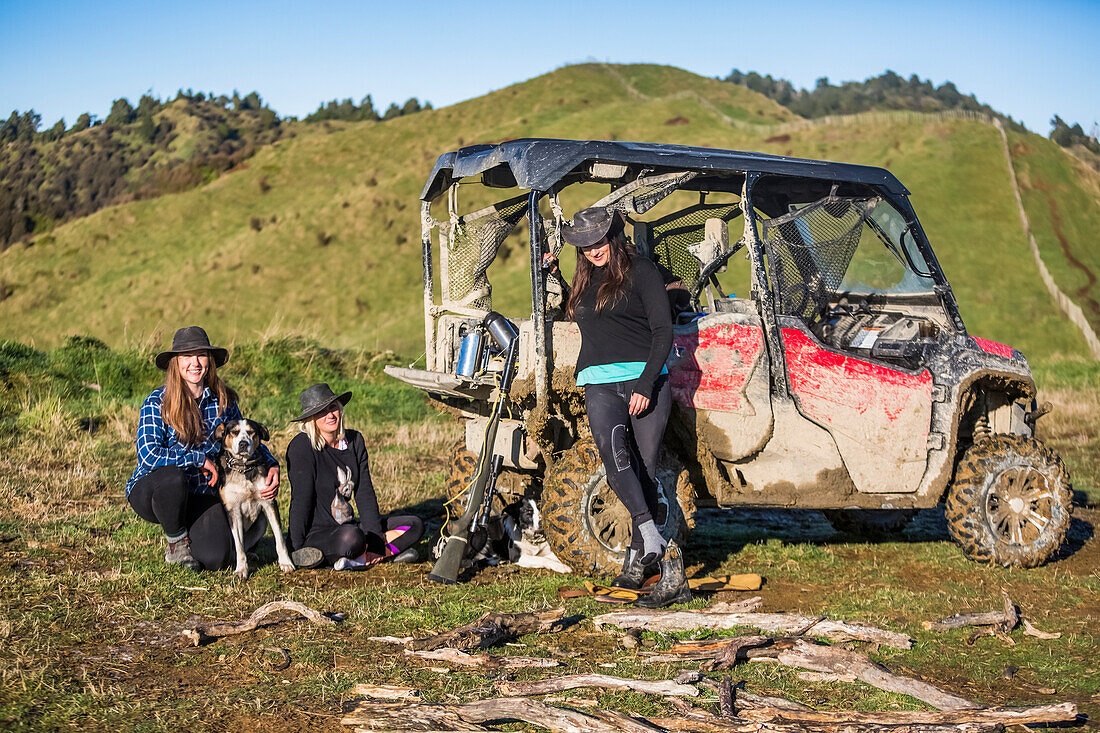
(309, 427)
(181, 411)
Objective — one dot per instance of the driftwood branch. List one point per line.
(207, 632)
(831, 660)
(774, 623)
(697, 720)
(389, 717)
(482, 661)
(1030, 630)
(375, 717)
(386, 692)
(491, 629)
(1004, 716)
(1007, 618)
(745, 606)
(571, 682)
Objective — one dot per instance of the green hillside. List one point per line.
(319, 234)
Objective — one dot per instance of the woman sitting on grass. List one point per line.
(328, 467)
(176, 475)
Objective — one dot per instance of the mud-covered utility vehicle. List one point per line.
(819, 359)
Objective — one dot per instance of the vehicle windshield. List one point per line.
(821, 251)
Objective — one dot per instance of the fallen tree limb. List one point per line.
(1030, 630)
(491, 629)
(386, 692)
(573, 681)
(745, 606)
(208, 632)
(697, 720)
(372, 717)
(390, 717)
(1008, 617)
(831, 660)
(777, 623)
(484, 661)
(1004, 716)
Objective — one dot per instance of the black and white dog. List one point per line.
(243, 470)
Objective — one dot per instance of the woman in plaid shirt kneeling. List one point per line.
(174, 483)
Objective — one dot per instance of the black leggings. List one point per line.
(629, 445)
(348, 540)
(164, 497)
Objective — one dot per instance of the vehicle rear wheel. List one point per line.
(588, 528)
(869, 523)
(1010, 503)
(461, 469)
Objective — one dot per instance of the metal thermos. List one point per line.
(469, 353)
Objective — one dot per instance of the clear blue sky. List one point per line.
(1027, 59)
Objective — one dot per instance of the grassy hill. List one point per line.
(319, 235)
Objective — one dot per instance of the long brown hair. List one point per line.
(181, 411)
(620, 258)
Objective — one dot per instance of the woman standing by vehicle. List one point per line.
(618, 300)
(176, 475)
(328, 467)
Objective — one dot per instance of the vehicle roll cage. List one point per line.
(546, 166)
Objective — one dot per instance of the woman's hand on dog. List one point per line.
(211, 469)
(271, 484)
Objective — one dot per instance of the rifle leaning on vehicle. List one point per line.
(480, 497)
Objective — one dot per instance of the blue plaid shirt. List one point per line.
(158, 445)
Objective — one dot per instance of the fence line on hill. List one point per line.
(1071, 309)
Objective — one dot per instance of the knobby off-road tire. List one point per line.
(461, 467)
(1010, 503)
(588, 528)
(869, 523)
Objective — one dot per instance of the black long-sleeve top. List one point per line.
(313, 483)
(637, 327)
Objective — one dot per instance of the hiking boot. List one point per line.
(633, 573)
(179, 553)
(673, 586)
(307, 557)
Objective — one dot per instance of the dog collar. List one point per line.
(243, 467)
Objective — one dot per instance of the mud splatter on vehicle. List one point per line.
(820, 359)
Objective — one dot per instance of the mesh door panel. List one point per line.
(469, 245)
(810, 249)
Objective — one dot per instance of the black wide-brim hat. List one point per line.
(191, 338)
(317, 398)
(591, 225)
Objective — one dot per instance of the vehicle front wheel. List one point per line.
(588, 528)
(1010, 503)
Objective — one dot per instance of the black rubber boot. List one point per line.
(633, 573)
(673, 585)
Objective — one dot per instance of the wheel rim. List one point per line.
(1019, 506)
(607, 519)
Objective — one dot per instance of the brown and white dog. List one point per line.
(243, 469)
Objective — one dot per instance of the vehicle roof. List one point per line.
(539, 163)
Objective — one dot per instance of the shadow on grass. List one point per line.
(720, 533)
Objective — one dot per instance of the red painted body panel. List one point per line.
(715, 366)
(992, 347)
(878, 416)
